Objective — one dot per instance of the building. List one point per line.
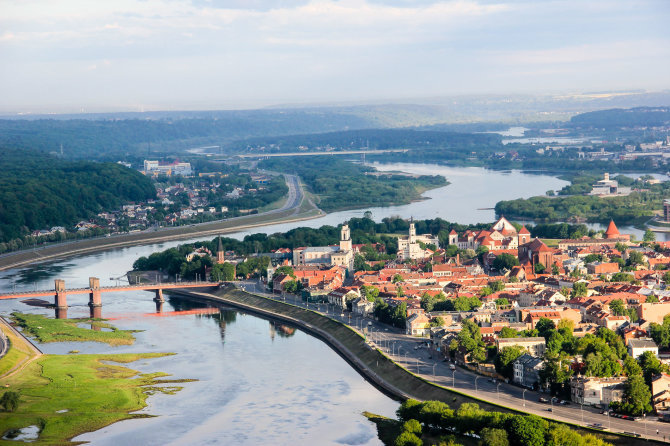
(535, 346)
(410, 247)
(666, 211)
(607, 187)
(501, 235)
(341, 255)
(418, 324)
(527, 371)
(176, 168)
(589, 390)
(653, 312)
(636, 347)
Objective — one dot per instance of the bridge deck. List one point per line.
(108, 289)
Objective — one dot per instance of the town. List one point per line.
(582, 319)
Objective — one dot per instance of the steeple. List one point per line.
(412, 231)
(345, 238)
(220, 253)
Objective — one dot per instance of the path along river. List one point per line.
(256, 384)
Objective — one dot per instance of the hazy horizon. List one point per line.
(72, 56)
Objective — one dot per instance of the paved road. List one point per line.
(413, 354)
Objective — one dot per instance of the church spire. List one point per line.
(220, 253)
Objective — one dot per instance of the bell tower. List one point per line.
(220, 253)
(345, 238)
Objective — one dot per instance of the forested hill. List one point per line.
(617, 118)
(38, 191)
(372, 138)
(82, 138)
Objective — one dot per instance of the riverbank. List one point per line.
(91, 246)
(62, 396)
(380, 370)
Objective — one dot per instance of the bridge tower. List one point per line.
(61, 294)
(95, 298)
(159, 296)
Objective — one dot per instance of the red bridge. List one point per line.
(95, 291)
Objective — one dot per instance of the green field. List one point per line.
(45, 329)
(67, 395)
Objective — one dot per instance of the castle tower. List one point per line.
(345, 238)
(220, 253)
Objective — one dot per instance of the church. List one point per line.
(502, 235)
(409, 247)
(342, 255)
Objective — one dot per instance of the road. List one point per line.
(412, 353)
(290, 211)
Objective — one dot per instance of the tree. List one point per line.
(501, 302)
(636, 396)
(485, 291)
(397, 278)
(412, 426)
(539, 268)
(437, 322)
(651, 299)
(505, 262)
(285, 269)
(527, 430)
(545, 326)
(651, 366)
(10, 401)
(617, 307)
(496, 285)
(562, 435)
(494, 437)
(508, 332)
(370, 292)
(635, 258)
(504, 361)
(554, 269)
(579, 289)
(649, 236)
(408, 439)
(409, 409)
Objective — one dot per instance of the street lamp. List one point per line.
(434, 371)
(498, 390)
(417, 366)
(582, 409)
(524, 397)
(453, 379)
(476, 378)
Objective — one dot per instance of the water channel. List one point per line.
(257, 383)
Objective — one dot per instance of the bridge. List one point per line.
(94, 291)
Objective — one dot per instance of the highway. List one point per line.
(413, 354)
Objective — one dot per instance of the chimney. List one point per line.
(458, 259)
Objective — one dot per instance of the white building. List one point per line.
(636, 347)
(410, 247)
(342, 255)
(152, 167)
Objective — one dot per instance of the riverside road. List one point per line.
(413, 354)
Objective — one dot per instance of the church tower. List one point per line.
(345, 238)
(220, 253)
(412, 231)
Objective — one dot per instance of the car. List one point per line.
(549, 409)
(452, 367)
(564, 403)
(543, 400)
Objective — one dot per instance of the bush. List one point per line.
(494, 437)
(413, 427)
(10, 401)
(408, 439)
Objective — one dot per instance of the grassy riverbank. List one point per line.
(67, 395)
(45, 329)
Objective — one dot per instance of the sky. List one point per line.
(83, 55)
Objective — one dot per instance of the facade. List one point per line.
(654, 311)
(502, 235)
(636, 347)
(535, 346)
(342, 255)
(527, 370)
(418, 324)
(156, 168)
(589, 390)
(609, 187)
(409, 248)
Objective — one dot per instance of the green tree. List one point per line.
(409, 409)
(651, 299)
(545, 327)
(539, 268)
(10, 401)
(636, 398)
(397, 278)
(505, 262)
(635, 258)
(285, 269)
(504, 361)
(562, 435)
(412, 426)
(494, 437)
(437, 322)
(617, 307)
(651, 366)
(502, 302)
(649, 236)
(579, 289)
(508, 332)
(497, 285)
(527, 430)
(408, 439)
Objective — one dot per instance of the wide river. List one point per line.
(255, 384)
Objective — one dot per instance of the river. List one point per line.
(254, 387)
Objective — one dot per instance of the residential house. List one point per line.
(527, 370)
(536, 346)
(636, 347)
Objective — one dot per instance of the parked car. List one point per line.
(452, 367)
(543, 400)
